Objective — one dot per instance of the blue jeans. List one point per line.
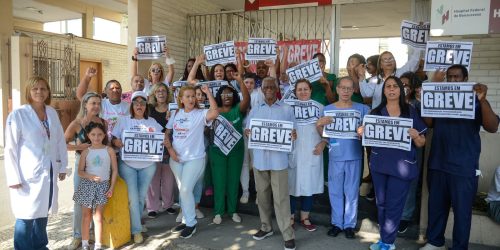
(30, 234)
(138, 180)
(306, 203)
(77, 209)
(186, 175)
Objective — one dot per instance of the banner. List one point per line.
(142, 146)
(261, 49)
(387, 132)
(309, 70)
(414, 34)
(306, 112)
(345, 124)
(460, 17)
(150, 47)
(441, 55)
(225, 135)
(219, 53)
(214, 85)
(448, 100)
(271, 135)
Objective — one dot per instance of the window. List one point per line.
(73, 26)
(106, 30)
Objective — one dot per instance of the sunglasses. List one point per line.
(227, 95)
(156, 70)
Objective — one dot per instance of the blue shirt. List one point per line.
(397, 162)
(268, 159)
(347, 149)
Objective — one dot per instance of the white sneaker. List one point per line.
(199, 214)
(217, 219)
(244, 198)
(236, 218)
(429, 246)
(179, 217)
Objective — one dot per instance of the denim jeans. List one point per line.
(77, 209)
(30, 234)
(186, 175)
(138, 180)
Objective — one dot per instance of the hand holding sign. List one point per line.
(324, 82)
(206, 90)
(325, 120)
(481, 91)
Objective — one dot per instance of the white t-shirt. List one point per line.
(139, 125)
(111, 112)
(188, 133)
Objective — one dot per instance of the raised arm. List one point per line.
(212, 112)
(134, 66)
(169, 61)
(490, 119)
(192, 74)
(240, 62)
(83, 86)
(245, 102)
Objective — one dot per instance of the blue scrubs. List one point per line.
(392, 172)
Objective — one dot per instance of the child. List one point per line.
(93, 192)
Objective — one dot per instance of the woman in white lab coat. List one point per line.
(35, 155)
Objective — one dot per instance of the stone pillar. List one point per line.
(140, 23)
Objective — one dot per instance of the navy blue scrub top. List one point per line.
(397, 162)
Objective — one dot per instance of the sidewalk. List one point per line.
(228, 235)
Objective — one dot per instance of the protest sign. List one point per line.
(289, 95)
(309, 70)
(414, 34)
(387, 132)
(142, 146)
(271, 135)
(150, 47)
(306, 112)
(214, 85)
(219, 53)
(344, 125)
(441, 55)
(173, 106)
(225, 135)
(260, 49)
(178, 85)
(448, 100)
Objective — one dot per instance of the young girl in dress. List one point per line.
(96, 163)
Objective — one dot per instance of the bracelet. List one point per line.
(134, 59)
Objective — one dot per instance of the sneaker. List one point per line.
(429, 246)
(371, 195)
(176, 205)
(403, 226)
(382, 246)
(152, 214)
(349, 233)
(178, 228)
(260, 235)
(244, 198)
(188, 232)
(179, 217)
(334, 231)
(290, 244)
(236, 218)
(199, 214)
(217, 219)
(138, 238)
(310, 227)
(170, 210)
(75, 243)
(144, 229)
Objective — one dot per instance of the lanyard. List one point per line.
(45, 124)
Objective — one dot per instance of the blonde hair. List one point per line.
(181, 93)
(30, 84)
(152, 94)
(162, 73)
(85, 100)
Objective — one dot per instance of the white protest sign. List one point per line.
(150, 47)
(306, 112)
(260, 49)
(441, 55)
(173, 106)
(345, 124)
(178, 85)
(271, 135)
(309, 70)
(387, 132)
(289, 95)
(448, 100)
(225, 135)
(414, 34)
(214, 85)
(142, 146)
(219, 53)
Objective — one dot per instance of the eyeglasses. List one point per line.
(155, 70)
(388, 60)
(139, 102)
(345, 89)
(226, 95)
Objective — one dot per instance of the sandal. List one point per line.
(310, 227)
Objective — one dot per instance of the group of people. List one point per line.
(374, 86)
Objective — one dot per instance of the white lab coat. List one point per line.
(28, 156)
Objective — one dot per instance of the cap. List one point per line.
(139, 94)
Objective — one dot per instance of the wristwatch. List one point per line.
(134, 59)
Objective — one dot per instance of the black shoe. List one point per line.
(152, 214)
(290, 244)
(403, 226)
(178, 228)
(334, 231)
(371, 195)
(260, 235)
(349, 233)
(188, 232)
(171, 211)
